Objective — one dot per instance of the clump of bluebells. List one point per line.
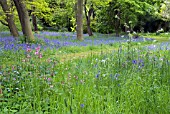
(139, 63)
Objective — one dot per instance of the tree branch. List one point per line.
(3, 23)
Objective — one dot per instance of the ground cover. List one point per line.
(157, 36)
(126, 77)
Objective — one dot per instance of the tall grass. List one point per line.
(132, 80)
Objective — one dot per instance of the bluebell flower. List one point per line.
(98, 74)
(134, 61)
(82, 105)
(141, 63)
(116, 76)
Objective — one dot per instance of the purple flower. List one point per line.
(134, 61)
(141, 63)
(49, 79)
(116, 76)
(82, 105)
(98, 74)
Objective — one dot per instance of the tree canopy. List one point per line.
(109, 16)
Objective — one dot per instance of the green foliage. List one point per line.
(61, 15)
(3, 27)
(42, 10)
(132, 80)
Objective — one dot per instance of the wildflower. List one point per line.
(49, 60)
(134, 61)
(141, 63)
(103, 61)
(76, 77)
(104, 75)
(16, 88)
(116, 76)
(82, 105)
(51, 86)
(37, 48)
(13, 67)
(49, 79)
(82, 81)
(122, 36)
(40, 55)
(97, 76)
(161, 59)
(23, 60)
(28, 56)
(28, 49)
(36, 53)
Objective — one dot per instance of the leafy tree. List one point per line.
(41, 10)
(9, 18)
(165, 10)
(80, 19)
(89, 12)
(24, 20)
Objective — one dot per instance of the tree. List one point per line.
(79, 19)
(40, 10)
(9, 18)
(165, 10)
(34, 18)
(88, 14)
(24, 20)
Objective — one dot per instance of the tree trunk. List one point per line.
(24, 20)
(89, 31)
(80, 19)
(9, 18)
(117, 23)
(34, 19)
(34, 22)
(75, 9)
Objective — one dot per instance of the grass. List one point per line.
(162, 37)
(120, 78)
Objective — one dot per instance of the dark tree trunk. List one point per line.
(9, 18)
(34, 19)
(24, 20)
(117, 23)
(34, 22)
(89, 31)
(79, 19)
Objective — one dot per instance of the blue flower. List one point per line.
(98, 74)
(82, 105)
(116, 76)
(134, 61)
(141, 63)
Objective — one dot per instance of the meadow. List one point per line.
(101, 75)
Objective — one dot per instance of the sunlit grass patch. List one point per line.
(162, 37)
